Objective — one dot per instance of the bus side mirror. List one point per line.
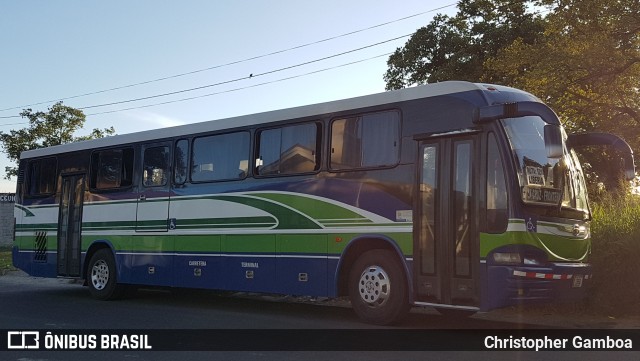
(553, 141)
(591, 139)
(629, 167)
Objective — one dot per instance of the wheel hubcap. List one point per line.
(374, 286)
(100, 275)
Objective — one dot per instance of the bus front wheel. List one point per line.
(378, 288)
(101, 276)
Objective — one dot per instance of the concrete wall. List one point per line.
(6, 218)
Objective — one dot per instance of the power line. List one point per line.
(233, 62)
(251, 76)
(229, 90)
(242, 88)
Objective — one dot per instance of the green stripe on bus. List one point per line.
(314, 208)
(287, 218)
(558, 248)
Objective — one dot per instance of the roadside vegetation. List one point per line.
(5, 260)
(615, 253)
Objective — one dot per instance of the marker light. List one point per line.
(532, 261)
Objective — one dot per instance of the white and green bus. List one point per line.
(454, 195)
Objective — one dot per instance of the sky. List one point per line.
(54, 50)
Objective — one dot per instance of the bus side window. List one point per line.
(497, 209)
(42, 176)
(181, 159)
(220, 157)
(156, 164)
(112, 169)
(366, 141)
(109, 168)
(288, 150)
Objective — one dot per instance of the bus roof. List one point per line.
(389, 97)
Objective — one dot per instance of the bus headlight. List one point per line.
(509, 258)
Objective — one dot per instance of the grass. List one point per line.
(5, 260)
(616, 255)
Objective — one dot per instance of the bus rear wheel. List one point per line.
(101, 276)
(378, 288)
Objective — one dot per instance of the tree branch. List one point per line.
(614, 71)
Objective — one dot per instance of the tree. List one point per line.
(457, 47)
(586, 67)
(54, 127)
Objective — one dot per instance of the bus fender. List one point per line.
(358, 246)
(93, 247)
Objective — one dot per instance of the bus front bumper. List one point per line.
(517, 285)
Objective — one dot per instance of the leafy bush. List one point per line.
(615, 254)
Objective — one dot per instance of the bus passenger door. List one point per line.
(151, 259)
(70, 225)
(446, 243)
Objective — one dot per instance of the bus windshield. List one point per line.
(557, 186)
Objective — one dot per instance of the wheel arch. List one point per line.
(93, 248)
(358, 246)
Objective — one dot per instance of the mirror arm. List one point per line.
(516, 110)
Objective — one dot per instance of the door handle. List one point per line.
(142, 197)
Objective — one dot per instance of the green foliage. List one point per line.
(54, 127)
(455, 48)
(6, 263)
(615, 254)
(586, 67)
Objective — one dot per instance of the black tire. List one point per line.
(378, 288)
(101, 276)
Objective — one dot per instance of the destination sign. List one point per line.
(542, 195)
(535, 175)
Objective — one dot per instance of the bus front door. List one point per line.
(446, 251)
(70, 225)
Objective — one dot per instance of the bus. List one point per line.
(459, 196)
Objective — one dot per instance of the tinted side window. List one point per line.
(220, 157)
(497, 200)
(370, 140)
(42, 176)
(112, 168)
(155, 166)
(181, 161)
(109, 169)
(288, 150)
